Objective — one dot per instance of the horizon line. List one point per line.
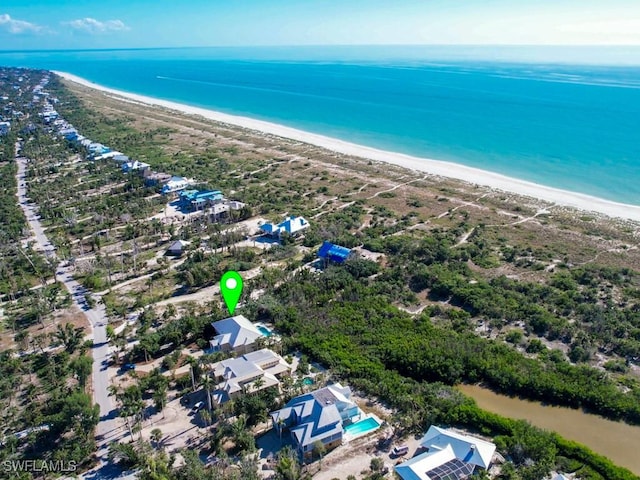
(487, 45)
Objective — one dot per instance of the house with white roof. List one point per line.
(5, 127)
(133, 166)
(107, 155)
(316, 416)
(448, 455)
(250, 373)
(235, 334)
(291, 225)
(176, 184)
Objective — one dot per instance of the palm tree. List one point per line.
(281, 424)
(22, 339)
(132, 408)
(160, 399)
(207, 384)
(156, 436)
(40, 340)
(287, 466)
(69, 336)
(258, 382)
(206, 417)
(319, 449)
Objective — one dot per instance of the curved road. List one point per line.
(108, 427)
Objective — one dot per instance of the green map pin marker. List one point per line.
(231, 288)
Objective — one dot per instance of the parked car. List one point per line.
(197, 407)
(400, 450)
(129, 366)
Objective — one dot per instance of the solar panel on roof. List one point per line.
(452, 470)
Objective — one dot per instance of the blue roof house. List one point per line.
(4, 128)
(316, 416)
(199, 199)
(334, 253)
(447, 454)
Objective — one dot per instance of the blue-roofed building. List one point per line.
(199, 199)
(4, 128)
(98, 148)
(448, 455)
(330, 252)
(317, 416)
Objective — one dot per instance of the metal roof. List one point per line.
(334, 252)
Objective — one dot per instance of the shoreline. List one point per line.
(471, 175)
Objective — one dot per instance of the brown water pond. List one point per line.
(616, 440)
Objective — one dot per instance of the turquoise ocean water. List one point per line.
(524, 114)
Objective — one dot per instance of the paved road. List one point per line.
(109, 426)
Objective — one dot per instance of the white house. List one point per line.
(249, 373)
(176, 184)
(448, 455)
(135, 165)
(235, 334)
(291, 225)
(107, 155)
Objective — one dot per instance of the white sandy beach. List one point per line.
(430, 166)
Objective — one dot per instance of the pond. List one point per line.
(615, 440)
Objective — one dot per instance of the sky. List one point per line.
(88, 24)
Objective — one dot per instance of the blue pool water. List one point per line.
(307, 381)
(265, 331)
(569, 126)
(363, 426)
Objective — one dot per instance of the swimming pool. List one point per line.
(363, 426)
(307, 381)
(264, 330)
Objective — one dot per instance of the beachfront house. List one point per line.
(316, 416)
(121, 159)
(447, 454)
(175, 184)
(247, 374)
(152, 178)
(291, 225)
(199, 199)
(108, 155)
(98, 148)
(235, 334)
(331, 253)
(134, 166)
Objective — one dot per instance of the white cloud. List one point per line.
(93, 26)
(14, 26)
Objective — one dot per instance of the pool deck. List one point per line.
(347, 437)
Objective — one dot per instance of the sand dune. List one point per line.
(426, 165)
